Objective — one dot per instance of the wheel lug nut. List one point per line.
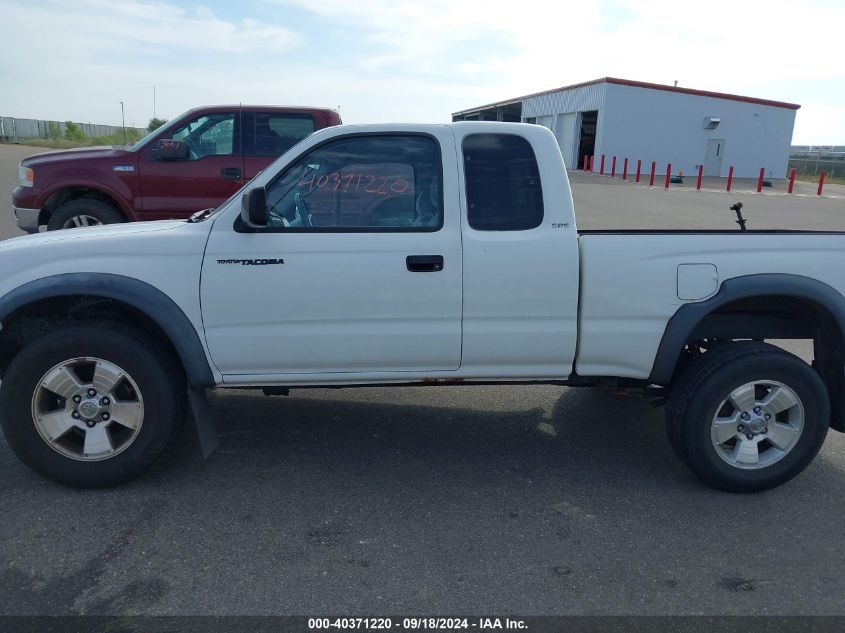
(768, 416)
(77, 399)
(740, 428)
(75, 414)
(105, 416)
(105, 402)
(745, 415)
(90, 423)
(765, 429)
(92, 392)
(750, 436)
(757, 410)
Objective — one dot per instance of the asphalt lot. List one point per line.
(602, 202)
(437, 500)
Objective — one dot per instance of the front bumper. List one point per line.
(27, 219)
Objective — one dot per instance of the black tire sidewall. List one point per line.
(103, 211)
(137, 357)
(696, 418)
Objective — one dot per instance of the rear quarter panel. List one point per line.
(629, 285)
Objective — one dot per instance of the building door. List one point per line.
(587, 139)
(565, 133)
(713, 158)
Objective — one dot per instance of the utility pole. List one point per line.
(123, 122)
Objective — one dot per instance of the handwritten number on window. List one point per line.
(372, 184)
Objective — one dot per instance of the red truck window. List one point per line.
(274, 133)
(208, 135)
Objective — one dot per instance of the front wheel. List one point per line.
(83, 212)
(91, 405)
(748, 416)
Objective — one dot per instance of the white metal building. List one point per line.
(653, 122)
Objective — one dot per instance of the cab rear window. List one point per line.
(274, 133)
(502, 183)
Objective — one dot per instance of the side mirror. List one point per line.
(254, 208)
(168, 149)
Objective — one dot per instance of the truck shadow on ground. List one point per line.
(592, 439)
(589, 434)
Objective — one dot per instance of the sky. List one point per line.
(414, 60)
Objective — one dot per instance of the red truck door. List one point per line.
(213, 171)
(267, 135)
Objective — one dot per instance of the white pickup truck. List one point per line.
(400, 254)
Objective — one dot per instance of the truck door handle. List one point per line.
(424, 263)
(230, 173)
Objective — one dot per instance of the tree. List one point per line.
(73, 132)
(155, 123)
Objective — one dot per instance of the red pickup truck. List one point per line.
(195, 161)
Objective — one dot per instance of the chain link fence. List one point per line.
(12, 129)
(808, 160)
(833, 169)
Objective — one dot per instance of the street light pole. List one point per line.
(123, 121)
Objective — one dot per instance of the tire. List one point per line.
(138, 416)
(83, 212)
(712, 395)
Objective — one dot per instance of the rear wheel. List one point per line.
(748, 416)
(91, 406)
(83, 212)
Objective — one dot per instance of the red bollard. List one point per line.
(700, 174)
(613, 168)
(791, 181)
(760, 179)
(653, 168)
(639, 165)
(821, 183)
(601, 169)
(585, 162)
(668, 175)
(730, 177)
(625, 170)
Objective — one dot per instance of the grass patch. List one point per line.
(828, 179)
(81, 141)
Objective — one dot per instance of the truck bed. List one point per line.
(631, 283)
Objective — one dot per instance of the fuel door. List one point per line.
(697, 281)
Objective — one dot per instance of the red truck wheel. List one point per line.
(83, 212)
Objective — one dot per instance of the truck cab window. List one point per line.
(208, 135)
(274, 133)
(365, 183)
(502, 183)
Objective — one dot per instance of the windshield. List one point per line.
(156, 131)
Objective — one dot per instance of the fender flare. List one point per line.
(688, 316)
(140, 295)
(101, 188)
